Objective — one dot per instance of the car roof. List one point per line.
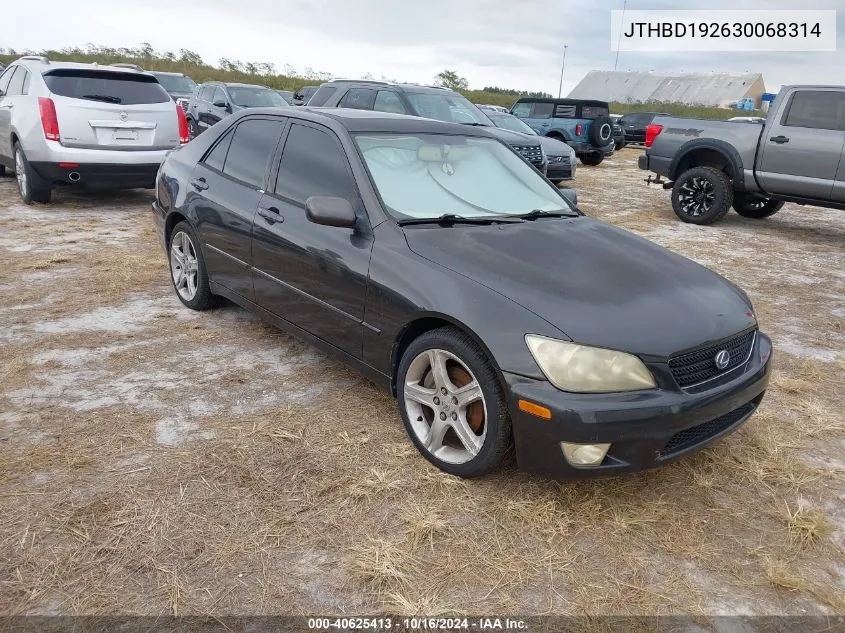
(43, 65)
(162, 72)
(353, 120)
(587, 102)
(370, 83)
(233, 84)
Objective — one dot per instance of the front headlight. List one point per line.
(582, 369)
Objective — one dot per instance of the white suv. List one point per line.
(69, 123)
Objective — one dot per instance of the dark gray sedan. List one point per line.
(439, 263)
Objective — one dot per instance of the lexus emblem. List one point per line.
(722, 359)
(123, 116)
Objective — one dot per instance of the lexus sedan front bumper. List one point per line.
(645, 429)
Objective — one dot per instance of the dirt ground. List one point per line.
(159, 461)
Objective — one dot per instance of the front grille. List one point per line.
(697, 434)
(532, 153)
(700, 365)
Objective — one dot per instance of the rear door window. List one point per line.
(205, 93)
(249, 152)
(387, 101)
(217, 157)
(542, 110)
(816, 109)
(16, 85)
(323, 94)
(105, 86)
(359, 98)
(6, 77)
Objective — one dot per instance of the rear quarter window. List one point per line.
(564, 111)
(106, 86)
(323, 94)
(594, 112)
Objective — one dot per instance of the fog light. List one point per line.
(584, 454)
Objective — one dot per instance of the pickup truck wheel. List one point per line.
(756, 207)
(591, 159)
(702, 195)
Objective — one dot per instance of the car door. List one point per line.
(801, 148)
(7, 104)
(219, 107)
(226, 186)
(312, 275)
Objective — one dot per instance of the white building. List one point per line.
(708, 89)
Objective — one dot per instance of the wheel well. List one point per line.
(705, 158)
(556, 135)
(420, 326)
(172, 220)
(14, 139)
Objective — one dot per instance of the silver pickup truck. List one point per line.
(797, 155)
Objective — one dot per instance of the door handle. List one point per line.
(8, 106)
(199, 184)
(271, 214)
(779, 139)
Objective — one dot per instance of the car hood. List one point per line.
(598, 284)
(554, 147)
(512, 138)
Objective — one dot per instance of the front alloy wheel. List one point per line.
(452, 403)
(446, 406)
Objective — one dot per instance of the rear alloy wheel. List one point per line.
(28, 181)
(592, 159)
(452, 404)
(187, 269)
(749, 206)
(702, 195)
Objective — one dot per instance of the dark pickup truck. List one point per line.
(798, 155)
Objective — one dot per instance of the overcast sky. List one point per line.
(508, 43)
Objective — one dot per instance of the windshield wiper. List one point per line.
(451, 218)
(106, 98)
(539, 213)
(476, 124)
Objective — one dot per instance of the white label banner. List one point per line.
(720, 31)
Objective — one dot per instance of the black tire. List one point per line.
(31, 187)
(702, 195)
(2, 170)
(756, 207)
(202, 299)
(592, 159)
(619, 146)
(497, 439)
(193, 128)
(601, 131)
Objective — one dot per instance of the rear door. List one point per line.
(312, 275)
(225, 189)
(106, 109)
(7, 104)
(801, 148)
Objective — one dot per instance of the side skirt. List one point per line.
(372, 374)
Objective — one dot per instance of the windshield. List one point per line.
(176, 83)
(255, 97)
(510, 122)
(428, 175)
(446, 106)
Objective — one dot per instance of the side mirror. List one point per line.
(221, 104)
(330, 211)
(570, 195)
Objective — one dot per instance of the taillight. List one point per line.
(184, 134)
(652, 132)
(49, 121)
(579, 129)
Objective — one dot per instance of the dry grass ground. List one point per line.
(155, 461)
